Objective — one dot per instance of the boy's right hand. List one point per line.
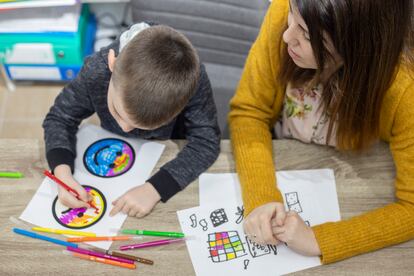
(64, 173)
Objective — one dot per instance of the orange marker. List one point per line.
(102, 238)
(104, 261)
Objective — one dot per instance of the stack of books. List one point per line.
(45, 42)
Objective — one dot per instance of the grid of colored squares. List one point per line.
(225, 246)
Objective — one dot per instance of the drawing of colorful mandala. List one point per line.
(225, 246)
(79, 218)
(109, 157)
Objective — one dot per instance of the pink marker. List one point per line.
(99, 254)
(150, 244)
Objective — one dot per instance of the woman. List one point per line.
(337, 73)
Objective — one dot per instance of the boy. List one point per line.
(148, 84)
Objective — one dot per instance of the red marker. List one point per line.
(67, 188)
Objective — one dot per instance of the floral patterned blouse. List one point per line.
(303, 118)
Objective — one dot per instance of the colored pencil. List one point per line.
(103, 260)
(44, 238)
(64, 232)
(126, 256)
(149, 244)
(153, 233)
(11, 174)
(69, 189)
(102, 238)
(99, 254)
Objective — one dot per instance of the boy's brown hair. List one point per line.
(157, 72)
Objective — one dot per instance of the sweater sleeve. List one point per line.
(71, 106)
(203, 136)
(254, 109)
(391, 224)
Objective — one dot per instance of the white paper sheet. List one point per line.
(39, 209)
(36, 4)
(320, 200)
(39, 20)
(311, 193)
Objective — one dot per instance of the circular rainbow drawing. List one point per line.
(79, 218)
(109, 157)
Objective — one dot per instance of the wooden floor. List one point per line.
(22, 111)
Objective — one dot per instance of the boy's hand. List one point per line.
(137, 202)
(68, 199)
(297, 235)
(258, 224)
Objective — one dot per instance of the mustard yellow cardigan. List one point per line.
(255, 109)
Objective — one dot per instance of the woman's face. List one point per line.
(298, 41)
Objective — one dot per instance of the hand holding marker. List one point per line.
(69, 189)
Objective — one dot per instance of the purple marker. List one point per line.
(99, 254)
(149, 244)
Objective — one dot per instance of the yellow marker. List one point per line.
(65, 232)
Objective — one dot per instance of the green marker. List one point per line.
(153, 233)
(11, 174)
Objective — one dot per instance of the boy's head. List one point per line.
(153, 78)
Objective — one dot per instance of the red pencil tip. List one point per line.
(93, 206)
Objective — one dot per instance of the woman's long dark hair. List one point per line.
(373, 38)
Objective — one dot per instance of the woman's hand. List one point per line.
(258, 224)
(297, 235)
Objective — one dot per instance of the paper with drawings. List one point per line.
(107, 165)
(317, 187)
(220, 246)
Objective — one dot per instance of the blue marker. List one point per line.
(41, 237)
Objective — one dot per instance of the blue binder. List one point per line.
(56, 72)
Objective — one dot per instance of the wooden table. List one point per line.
(363, 183)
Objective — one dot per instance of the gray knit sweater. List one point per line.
(87, 94)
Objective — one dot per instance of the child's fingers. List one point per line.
(132, 212)
(251, 232)
(291, 213)
(267, 233)
(256, 233)
(280, 215)
(83, 195)
(68, 199)
(126, 209)
(71, 201)
(278, 230)
(281, 237)
(141, 214)
(118, 207)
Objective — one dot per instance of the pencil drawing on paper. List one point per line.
(258, 250)
(79, 218)
(218, 217)
(225, 246)
(293, 203)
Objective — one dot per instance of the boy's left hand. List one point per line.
(297, 235)
(137, 202)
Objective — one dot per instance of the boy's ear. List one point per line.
(111, 59)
